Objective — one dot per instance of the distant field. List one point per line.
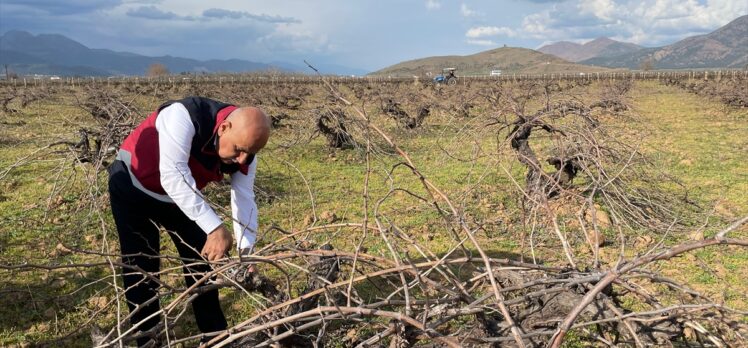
(654, 165)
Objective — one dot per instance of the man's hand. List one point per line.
(218, 244)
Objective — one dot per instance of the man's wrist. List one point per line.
(209, 222)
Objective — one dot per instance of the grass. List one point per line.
(702, 143)
(699, 141)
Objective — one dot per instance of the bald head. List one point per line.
(244, 132)
(253, 123)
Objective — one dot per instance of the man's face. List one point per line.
(235, 144)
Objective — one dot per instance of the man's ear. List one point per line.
(223, 127)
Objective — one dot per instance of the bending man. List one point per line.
(156, 181)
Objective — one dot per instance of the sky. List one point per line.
(363, 34)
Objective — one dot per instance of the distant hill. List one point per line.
(600, 47)
(726, 47)
(563, 49)
(510, 60)
(56, 54)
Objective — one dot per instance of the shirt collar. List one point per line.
(212, 145)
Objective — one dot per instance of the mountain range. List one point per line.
(600, 47)
(52, 54)
(726, 47)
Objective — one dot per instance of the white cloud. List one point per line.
(647, 22)
(479, 32)
(467, 12)
(481, 42)
(155, 13)
(291, 40)
(57, 7)
(145, 2)
(602, 9)
(433, 4)
(223, 13)
(152, 12)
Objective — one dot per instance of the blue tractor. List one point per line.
(447, 76)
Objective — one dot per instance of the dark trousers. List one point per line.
(137, 217)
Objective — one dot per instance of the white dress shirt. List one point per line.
(175, 133)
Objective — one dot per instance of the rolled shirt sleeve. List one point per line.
(243, 206)
(175, 133)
